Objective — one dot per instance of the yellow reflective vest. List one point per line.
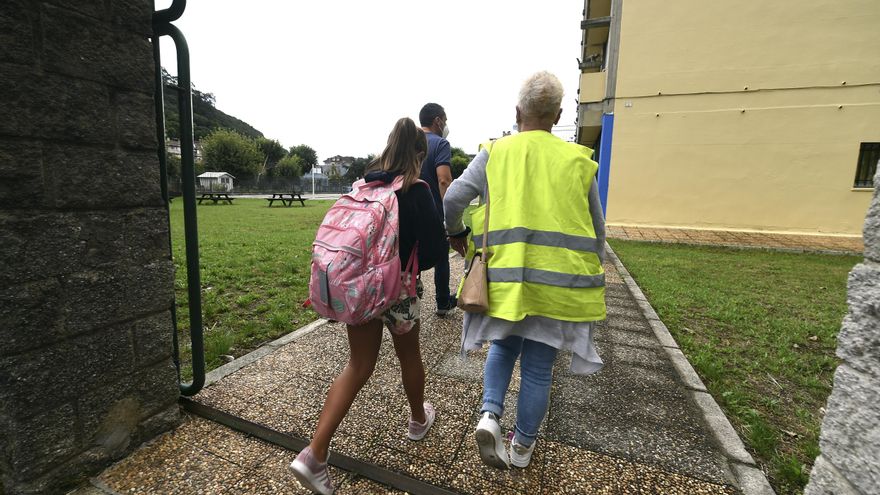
(544, 252)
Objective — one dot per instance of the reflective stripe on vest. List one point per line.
(540, 238)
(544, 252)
(546, 277)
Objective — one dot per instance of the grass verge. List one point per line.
(760, 328)
(254, 268)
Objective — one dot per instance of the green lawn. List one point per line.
(254, 272)
(760, 328)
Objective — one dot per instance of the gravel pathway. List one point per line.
(632, 428)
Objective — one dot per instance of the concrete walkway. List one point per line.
(739, 239)
(644, 424)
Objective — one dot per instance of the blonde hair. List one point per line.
(540, 95)
(404, 152)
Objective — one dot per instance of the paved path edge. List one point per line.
(231, 367)
(94, 486)
(751, 479)
(782, 249)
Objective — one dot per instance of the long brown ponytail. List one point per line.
(403, 155)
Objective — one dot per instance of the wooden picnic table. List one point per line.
(286, 199)
(215, 197)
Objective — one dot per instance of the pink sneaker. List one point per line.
(417, 431)
(311, 473)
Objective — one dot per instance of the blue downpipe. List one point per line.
(605, 159)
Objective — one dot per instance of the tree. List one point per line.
(172, 124)
(356, 170)
(306, 154)
(271, 149)
(289, 166)
(228, 151)
(173, 165)
(272, 152)
(460, 161)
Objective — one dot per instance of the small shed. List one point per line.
(216, 181)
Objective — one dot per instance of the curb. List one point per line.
(752, 481)
(229, 368)
(781, 249)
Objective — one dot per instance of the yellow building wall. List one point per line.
(684, 153)
(592, 86)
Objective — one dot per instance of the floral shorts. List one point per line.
(402, 317)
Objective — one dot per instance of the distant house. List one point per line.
(316, 176)
(172, 146)
(337, 165)
(216, 181)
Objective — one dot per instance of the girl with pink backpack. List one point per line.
(351, 283)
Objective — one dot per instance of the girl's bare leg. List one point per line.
(412, 370)
(363, 342)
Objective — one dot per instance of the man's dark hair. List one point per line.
(430, 112)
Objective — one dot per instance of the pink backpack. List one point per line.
(355, 262)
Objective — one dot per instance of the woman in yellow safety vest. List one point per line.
(546, 237)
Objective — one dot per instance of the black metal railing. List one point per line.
(162, 26)
(869, 155)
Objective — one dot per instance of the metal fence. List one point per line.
(265, 185)
(268, 185)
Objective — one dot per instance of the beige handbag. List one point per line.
(474, 297)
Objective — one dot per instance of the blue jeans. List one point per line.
(441, 281)
(536, 372)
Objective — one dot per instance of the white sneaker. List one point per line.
(417, 431)
(311, 473)
(492, 450)
(520, 455)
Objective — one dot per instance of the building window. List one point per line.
(869, 155)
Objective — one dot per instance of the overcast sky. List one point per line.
(337, 74)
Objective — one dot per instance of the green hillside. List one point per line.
(206, 117)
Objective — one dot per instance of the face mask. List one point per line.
(445, 131)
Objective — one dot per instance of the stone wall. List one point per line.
(86, 281)
(850, 439)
